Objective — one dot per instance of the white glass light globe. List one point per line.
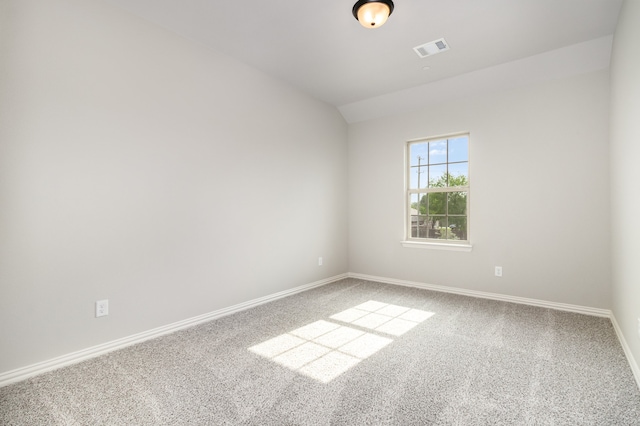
(373, 15)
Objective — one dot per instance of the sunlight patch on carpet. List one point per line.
(383, 317)
(324, 350)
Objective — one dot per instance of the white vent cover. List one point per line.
(432, 48)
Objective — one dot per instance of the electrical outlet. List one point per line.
(319, 261)
(639, 328)
(498, 271)
(102, 308)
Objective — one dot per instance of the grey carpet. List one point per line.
(422, 358)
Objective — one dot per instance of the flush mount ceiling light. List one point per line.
(372, 13)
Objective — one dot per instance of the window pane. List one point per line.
(419, 227)
(438, 176)
(418, 177)
(415, 209)
(438, 152)
(418, 153)
(423, 204)
(413, 205)
(437, 203)
(459, 149)
(437, 227)
(457, 203)
(459, 174)
(458, 226)
(413, 214)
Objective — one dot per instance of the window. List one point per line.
(438, 190)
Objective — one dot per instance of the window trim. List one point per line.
(433, 243)
(450, 246)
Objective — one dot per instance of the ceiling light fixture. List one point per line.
(372, 13)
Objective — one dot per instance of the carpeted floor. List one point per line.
(351, 353)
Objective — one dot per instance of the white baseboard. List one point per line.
(627, 351)
(493, 296)
(92, 352)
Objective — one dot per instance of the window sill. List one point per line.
(437, 246)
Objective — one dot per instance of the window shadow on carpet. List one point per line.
(323, 350)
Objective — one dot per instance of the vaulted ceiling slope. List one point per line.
(320, 48)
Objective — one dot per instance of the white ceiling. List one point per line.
(317, 45)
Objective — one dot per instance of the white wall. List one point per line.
(539, 193)
(140, 167)
(625, 174)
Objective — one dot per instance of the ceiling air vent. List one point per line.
(431, 48)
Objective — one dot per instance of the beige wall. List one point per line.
(625, 174)
(139, 167)
(539, 193)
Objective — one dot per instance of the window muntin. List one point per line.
(438, 189)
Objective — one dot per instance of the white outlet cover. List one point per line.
(102, 308)
(498, 271)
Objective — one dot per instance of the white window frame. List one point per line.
(434, 243)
